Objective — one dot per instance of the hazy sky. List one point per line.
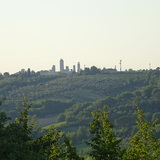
(37, 33)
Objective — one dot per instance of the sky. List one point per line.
(36, 34)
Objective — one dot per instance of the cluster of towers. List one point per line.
(62, 69)
(66, 70)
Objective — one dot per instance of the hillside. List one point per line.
(122, 109)
(67, 87)
(68, 100)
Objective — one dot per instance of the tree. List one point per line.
(70, 151)
(144, 145)
(156, 93)
(104, 144)
(16, 142)
(94, 70)
(15, 137)
(6, 74)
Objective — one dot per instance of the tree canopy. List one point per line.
(17, 143)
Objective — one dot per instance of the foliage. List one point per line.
(70, 151)
(16, 142)
(104, 143)
(51, 90)
(144, 145)
(74, 97)
(15, 137)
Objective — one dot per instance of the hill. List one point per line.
(66, 87)
(68, 100)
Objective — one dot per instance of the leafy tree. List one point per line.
(48, 146)
(15, 137)
(147, 91)
(86, 71)
(156, 93)
(16, 142)
(144, 145)
(104, 144)
(61, 151)
(6, 74)
(94, 70)
(70, 151)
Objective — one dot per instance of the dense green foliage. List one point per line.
(17, 143)
(75, 87)
(122, 112)
(104, 143)
(144, 144)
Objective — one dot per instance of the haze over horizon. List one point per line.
(36, 34)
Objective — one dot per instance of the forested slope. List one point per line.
(122, 111)
(68, 100)
(66, 87)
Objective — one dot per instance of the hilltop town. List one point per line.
(63, 69)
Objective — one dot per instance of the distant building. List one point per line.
(111, 70)
(67, 69)
(44, 73)
(74, 68)
(78, 67)
(61, 65)
(53, 70)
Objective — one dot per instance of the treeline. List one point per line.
(17, 142)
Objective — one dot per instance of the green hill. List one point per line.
(68, 100)
(67, 87)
